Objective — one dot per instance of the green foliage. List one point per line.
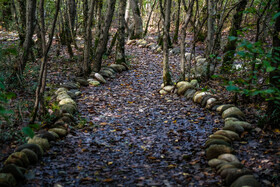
(29, 130)
(4, 98)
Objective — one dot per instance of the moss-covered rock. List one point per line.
(233, 112)
(215, 141)
(34, 147)
(228, 157)
(31, 155)
(221, 167)
(210, 102)
(230, 134)
(215, 150)
(67, 101)
(61, 132)
(68, 108)
(99, 78)
(17, 158)
(47, 135)
(216, 136)
(189, 93)
(62, 96)
(233, 174)
(215, 162)
(198, 97)
(14, 170)
(163, 92)
(246, 180)
(93, 82)
(117, 67)
(224, 107)
(233, 127)
(54, 134)
(44, 143)
(82, 81)
(243, 124)
(7, 180)
(194, 83)
(205, 99)
(60, 91)
(168, 88)
(183, 86)
(70, 85)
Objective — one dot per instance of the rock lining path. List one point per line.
(135, 137)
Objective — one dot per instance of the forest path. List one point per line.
(135, 137)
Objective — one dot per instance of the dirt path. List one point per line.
(134, 136)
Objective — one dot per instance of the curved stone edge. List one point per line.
(28, 154)
(218, 147)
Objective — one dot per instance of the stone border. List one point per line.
(218, 147)
(28, 154)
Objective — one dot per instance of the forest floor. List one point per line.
(135, 137)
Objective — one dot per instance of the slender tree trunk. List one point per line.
(149, 18)
(30, 26)
(120, 52)
(166, 73)
(230, 48)
(138, 25)
(88, 40)
(210, 34)
(102, 44)
(46, 47)
(176, 32)
(127, 9)
(22, 20)
(183, 38)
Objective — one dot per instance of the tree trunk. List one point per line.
(210, 34)
(43, 68)
(230, 48)
(22, 20)
(166, 74)
(30, 26)
(273, 109)
(120, 52)
(175, 39)
(88, 40)
(183, 38)
(138, 26)
(149, 18)
(102, 44)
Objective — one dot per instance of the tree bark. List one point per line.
(183, 38)
(30, 26)
(176, 32)
(43, 67)
(166, 73)
(138, 25)
(230, 48)
(149, 18)
(102, 44)
(120, 52)
(88, 40)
